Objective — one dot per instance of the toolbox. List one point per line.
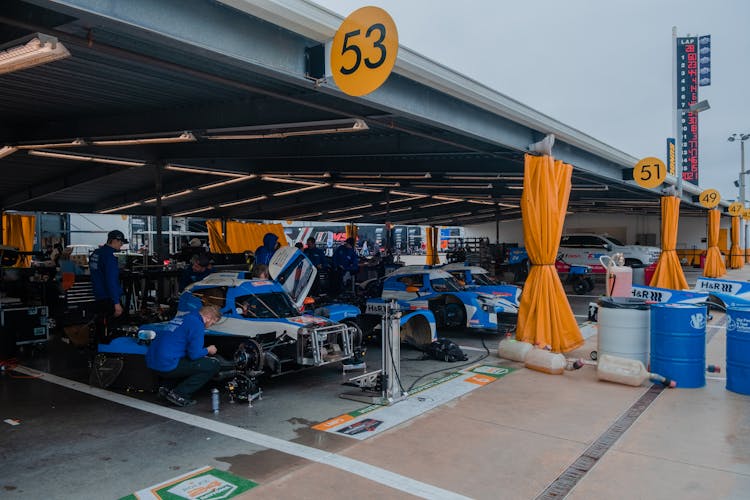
(27, 325)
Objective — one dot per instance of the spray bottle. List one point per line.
(215, 400)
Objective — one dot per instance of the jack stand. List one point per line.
(382, 387)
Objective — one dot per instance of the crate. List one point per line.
(27, 325)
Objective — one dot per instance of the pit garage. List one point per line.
(219, 109)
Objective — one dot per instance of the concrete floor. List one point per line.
(509, 439)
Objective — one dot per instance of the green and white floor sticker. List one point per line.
(205, 483)
(371, 420)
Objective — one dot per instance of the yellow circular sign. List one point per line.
(364, 51)
(709, 198)
(650, 172)
(746, 213)
(735, 208)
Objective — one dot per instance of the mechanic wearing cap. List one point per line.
(105, 280)
(200, 267)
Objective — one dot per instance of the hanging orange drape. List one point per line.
(18, 231)
(714, 266)
(545, 317)
(243, 236)
(216, 242)
(351, 231)
(736, 259)
(432, 248)
(668, 273)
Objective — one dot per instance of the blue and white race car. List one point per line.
(435, 290)
(475, 278)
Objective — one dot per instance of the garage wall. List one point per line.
(629, 229)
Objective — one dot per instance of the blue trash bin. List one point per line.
(738, 349)
(678, 343)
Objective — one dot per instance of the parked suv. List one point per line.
(585, 249)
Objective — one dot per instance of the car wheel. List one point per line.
(454, 315)
(580, 286)
(358, 334)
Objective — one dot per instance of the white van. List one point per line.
(586, 248)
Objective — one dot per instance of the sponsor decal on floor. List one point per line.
(205, 483)
(374, 419)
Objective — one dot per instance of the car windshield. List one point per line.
(615, 241)
(445, 285)
(266, 305)
(483, 279)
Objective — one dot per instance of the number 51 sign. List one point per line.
(364, 51)
(650, 172)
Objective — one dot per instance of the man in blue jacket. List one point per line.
(345, 265)
(318, 259)
(264, 252)
(177, 352)
(105, 280)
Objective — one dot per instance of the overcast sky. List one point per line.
(603, 67)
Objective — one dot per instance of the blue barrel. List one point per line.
(738, 349)
(678, 343)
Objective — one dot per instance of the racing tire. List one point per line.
(358, 336)
(454, 315)
(580, 287)
(589, 284)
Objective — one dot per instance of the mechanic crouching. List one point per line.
(177, 353)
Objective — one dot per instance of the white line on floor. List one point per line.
(371, 472)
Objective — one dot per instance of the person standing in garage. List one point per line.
(177, 352)
(105, 280)
(264, 252)
(318, 259)
(345, 265)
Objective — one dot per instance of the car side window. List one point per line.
(411, 280)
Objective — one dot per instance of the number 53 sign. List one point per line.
(364, 51)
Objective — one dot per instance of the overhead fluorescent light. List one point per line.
(323, 175)
(601, 187)
(305, 216)
(344, 219)
(283, 130)
(243, 202)
(183, 137)
(507, 205)
(119, 208)
(89, 158)
(439, 203)
(395, 210)
(443, 185)
(64, 144)
(193, 211)
(426, 175)
(357, 188)
(39, 49)
(225, 183)
(287, 180)
(300, 190)
(498, 177)
(482, 202)
(446, 198)
(170, 195)
(7, 150)
(350, 209)
(409, 194)
(206, 171)
(514, 187)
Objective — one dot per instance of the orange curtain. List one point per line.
(18, 231)
(736, 259)
(432, 248)
(216, 242)
(668, 272)
(243, 236)
(351, 231)
(545, 318)
(714, 266)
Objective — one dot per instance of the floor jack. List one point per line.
(382, 386)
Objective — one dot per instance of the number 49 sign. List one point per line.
(650, 172)
(364, 51)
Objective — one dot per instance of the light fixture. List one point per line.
(464, 177)
(226, 183)
(283, 130)
(89, 158)
(439, 203)
(305, 216)
(243, 202)
(183, 137)
(344, 219)
(374, 184)
(324, 175)
(206, 171)
(65, 144)
(357, 188)
(7, 150)
(350, 209)
(444, 185)
(31, 51)
(387, 176)
(289, 180)
(481, 202)
(507, 205)
(395, 210)
(300, 190)
(513, 187)
(119, 208)
(411, 195)
(446, 198)
(602, 187)
(170, 195)
(193, 211)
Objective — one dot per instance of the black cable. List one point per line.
(469, 362)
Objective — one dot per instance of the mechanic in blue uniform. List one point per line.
(177, 352)
(264, 252)
(200, 267)
(318, 259)
(345, 265)
(105, 280)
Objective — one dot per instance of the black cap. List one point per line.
(116, 235)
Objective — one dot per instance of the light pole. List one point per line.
(743, 233)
